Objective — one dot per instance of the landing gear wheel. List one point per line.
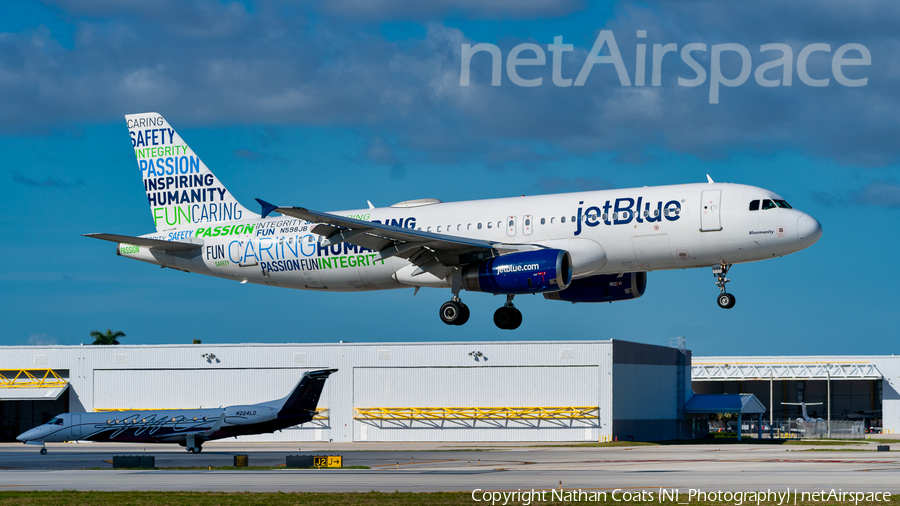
(725, 300)
(464, 314)
(452, 312)
(508, 317)
(198, 449)
(517, 319)
(43, 451)
(503, 318)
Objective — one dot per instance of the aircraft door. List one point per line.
(511, 226)
(76, 426)
(710, 210)
(527, 225)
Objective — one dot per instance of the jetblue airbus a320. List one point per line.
(592, 246)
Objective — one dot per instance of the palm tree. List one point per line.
(108, 338)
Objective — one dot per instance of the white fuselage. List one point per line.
(606, 232)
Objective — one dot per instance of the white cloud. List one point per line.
(41, 340)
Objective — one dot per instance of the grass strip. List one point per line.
(73, 498)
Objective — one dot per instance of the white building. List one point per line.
(473, 391)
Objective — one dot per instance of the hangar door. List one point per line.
(193, 388)
(539, 403)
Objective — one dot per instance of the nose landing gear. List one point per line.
(725, 299)
(508, 317)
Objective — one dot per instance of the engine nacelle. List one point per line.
(246, 415)
(545, 270)
(603, 288)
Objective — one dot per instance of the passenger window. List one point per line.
(543, 221)
(490, 225)
(605, 216)
(469, 226)
(768, 204)
(615, 216)
(511, 223)
(655, 213)
(479, 226)
(754, 205)
(574, 219)
(428, 229)
(527, 223)
(439, 229)
(563, 219)
(499, 224)
(552, 220)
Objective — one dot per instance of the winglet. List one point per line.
(267, 208)
(707, 178)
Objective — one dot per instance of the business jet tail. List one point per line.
(305, 396)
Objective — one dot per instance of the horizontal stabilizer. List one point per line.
(150, 243)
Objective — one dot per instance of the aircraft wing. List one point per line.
(150, 243)
(431, 252)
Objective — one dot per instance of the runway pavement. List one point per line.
(421, 467)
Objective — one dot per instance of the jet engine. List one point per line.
(603, 288)
(544, 270)
(246, 415)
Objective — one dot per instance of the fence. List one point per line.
(796, 428)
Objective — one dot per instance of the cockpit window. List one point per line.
(784, 204)
(770, 204)
(754, 205)
(55, 421)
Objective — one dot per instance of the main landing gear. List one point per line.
(43, 451)
(454, 312)
(508, 317)
(194, 449)
(725, 299)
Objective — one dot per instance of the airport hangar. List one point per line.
(455, 391)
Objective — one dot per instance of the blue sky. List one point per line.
(330, 104)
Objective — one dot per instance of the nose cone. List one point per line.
(28, 435)
(809, 230)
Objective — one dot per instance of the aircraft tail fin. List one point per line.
(305, 396)
(181, 190)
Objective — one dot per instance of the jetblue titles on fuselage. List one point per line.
(623, 210)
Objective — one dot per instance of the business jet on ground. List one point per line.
(592, 246)
(188, 427)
